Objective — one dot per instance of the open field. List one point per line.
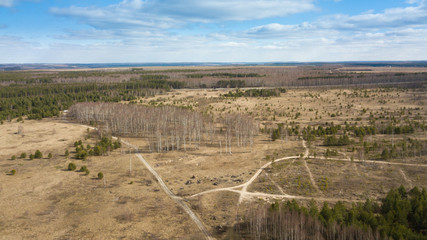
(44, 200)
(289, 158)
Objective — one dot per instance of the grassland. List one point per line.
(44, 198)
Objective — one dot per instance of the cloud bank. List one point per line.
(190, 30)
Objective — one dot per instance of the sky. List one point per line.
(147, 31)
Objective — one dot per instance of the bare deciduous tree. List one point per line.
(166, 128)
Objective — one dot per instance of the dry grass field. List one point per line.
(45, 201)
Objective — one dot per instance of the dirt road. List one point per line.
(177, 199)
(245, 195)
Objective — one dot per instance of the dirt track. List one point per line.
(177, 199)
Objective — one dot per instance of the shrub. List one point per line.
(117, 144)
(100, 175)
(38, 154)
(77, 143)
(49, 156)
(23, 155)
(385, 154)
(72, 166)
(13, 157)
(83, 168)
(31, 156)
(82, 154)
(67, 153)
(13, 172)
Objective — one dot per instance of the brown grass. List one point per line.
(44, 201)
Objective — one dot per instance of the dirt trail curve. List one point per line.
(245, 195)
(177, 199)
(370, 161)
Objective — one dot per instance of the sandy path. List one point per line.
(311, 176)
(245, 195)
(177, 199)
(353, 164)
(313, 182)
(405, 178)
(275, 184)
(371, 161)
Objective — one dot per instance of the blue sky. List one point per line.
(106, 31)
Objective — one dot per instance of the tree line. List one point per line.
(401, 214)
(224, 75)
(47, 100)
(255, 93)
(168, 128)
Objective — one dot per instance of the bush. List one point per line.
(385, 154)
(38, 154)
(100, 175)
(82, 154)
(13, 157)
(333, 141)
(67, 153)
(23, 155)
(117, 144)
(275, 134)
(49, 156)
(31, 156)
(13, 172)
(83, 168)
(72, 166)
(87, 171)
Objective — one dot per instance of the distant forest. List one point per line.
(40, 94)
(46, 100)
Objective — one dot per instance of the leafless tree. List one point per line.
(166, 128)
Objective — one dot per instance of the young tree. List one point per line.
(38, 154)
(385, 154)
(83, 168)
(71, 167)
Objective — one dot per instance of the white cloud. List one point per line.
(234, 44)
(279, 30)
(11, 3)
(413, 1)
(389, 18)
(165, 14)
(408, 44)
(6, 3)
(141, 31)
(394, 34)
(339, 25)
(226, 10)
